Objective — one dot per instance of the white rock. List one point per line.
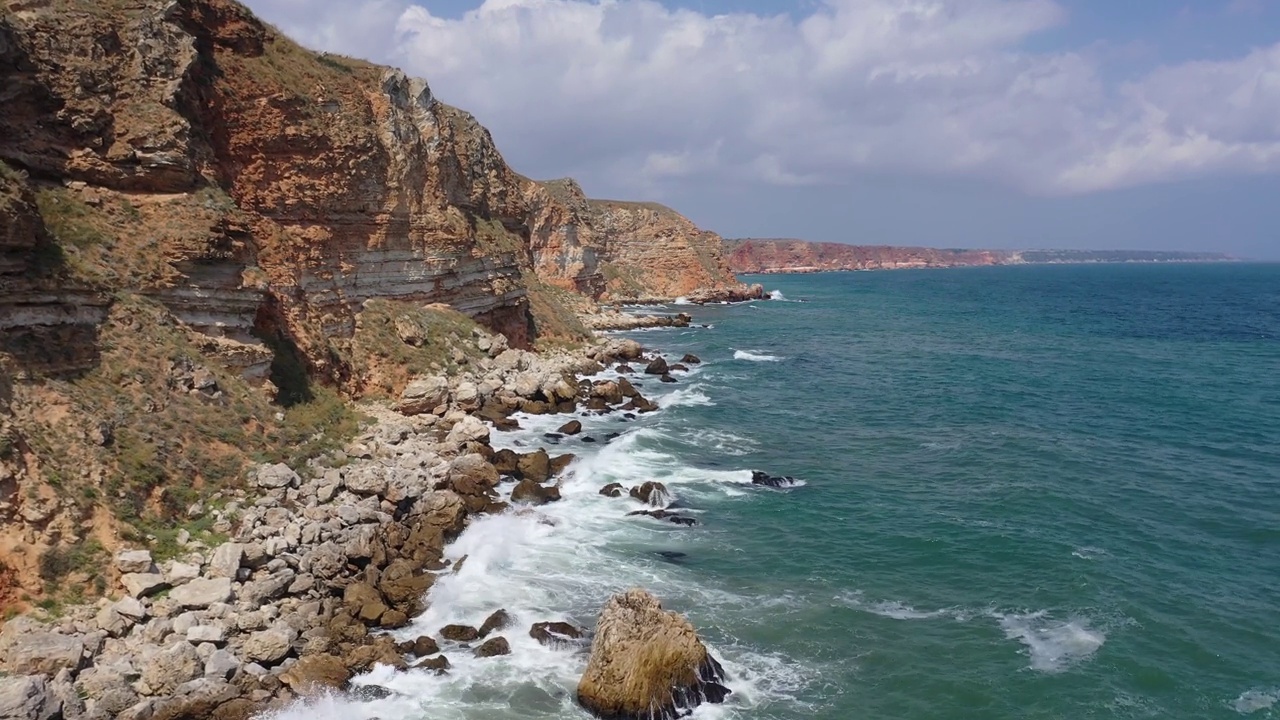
(202, 592)
(133, 561)
(142, 584)
(206, 634)
(23, 698)
(366, 480)
(226, 560)
(181, 573)
(269, 646)
(131, 608)
(221, 664)
(277, 476)
(111, 622)
(166, 670)
(468, 429)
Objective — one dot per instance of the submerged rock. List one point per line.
(612, 490)
(664, 515)
(690, 359)
(647, 663)
(497, 621)
(651, 492)
(555, 634)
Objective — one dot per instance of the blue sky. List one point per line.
(976, 123)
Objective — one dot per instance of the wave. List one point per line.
(686, 397)
(897, 610)
(1088, 552)
(1052, 645)
(776, 295)
(1251, 701)
(755, 357)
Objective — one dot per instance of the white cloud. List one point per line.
(629, 92)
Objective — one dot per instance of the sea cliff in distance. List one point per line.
(769, 255)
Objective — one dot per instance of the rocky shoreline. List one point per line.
(319, 563)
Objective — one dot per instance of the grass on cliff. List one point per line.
(136, 436)
(395, 341)
(554, 318)
(107, 240)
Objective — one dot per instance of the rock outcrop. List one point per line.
(646, 663)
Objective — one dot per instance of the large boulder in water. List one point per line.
(774, 481)
(651, 492)
(647, 663)
(657, 366)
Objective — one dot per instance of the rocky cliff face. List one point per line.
(770, 256)
(615, 250)
(195, 210)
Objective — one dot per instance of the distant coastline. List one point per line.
(787, 256)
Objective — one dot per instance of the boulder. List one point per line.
(493, 647)
(276, 476)
(215, 634)
(657, 366)
(269, 647)
(497, 621)
(27, 648)
(130, 608)
(612, 490)
(608, 391)
(423, 395)
(690, 359)
(535, 466)
(560, 462)
(647, 663)
(459, 633)
(202, 593)
(133, 561)
(28, 698)
(403, 586)
(221, 664)
(506, 461)
(468, 429)
(393, 620)
(667, 379)
(106, 690)
(424, 646)
(573, 427)
(555, 634)
(529, 492)
(472, 475)
(365, 602)
(315, 674)
(652, 493)
(438, 663)
(366, 480)
(166, 670)
(142, 584)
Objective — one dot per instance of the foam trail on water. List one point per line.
(754, 356)
(1052, 645)
(1251, 701)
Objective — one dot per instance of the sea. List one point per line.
(1024, 492)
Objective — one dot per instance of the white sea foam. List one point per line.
(725, 442)
(1251, 701)
(1052, 645)
(691, 395)
(776, 295)
(682, 300)
(898, 610)
(1088, 553)
(755, 356)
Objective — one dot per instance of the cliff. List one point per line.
(212, 239)
(755, 255)
(769, 255)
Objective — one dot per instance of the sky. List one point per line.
(1138, 124)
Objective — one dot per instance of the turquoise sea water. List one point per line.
(1031, 492)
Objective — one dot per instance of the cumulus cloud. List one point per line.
(637, 92)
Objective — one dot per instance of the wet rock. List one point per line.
(438, 663)
(612, 490)
(573, 427)
(651, 492)
(535, 466)
(667, 379)
(647, 662)
(626, 369)
(690, 359)
(316, 674)
(393, 620)
(657, 366)
(679, 367)
(555, 634)
(497, 621)
(424, 646)
(493, 647)
(774, 481)
(369, 693)
(506, 461)
(459, 633)
(665, 515)
(531, 493)
(560, 462)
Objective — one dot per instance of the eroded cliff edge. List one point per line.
(212, 239)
